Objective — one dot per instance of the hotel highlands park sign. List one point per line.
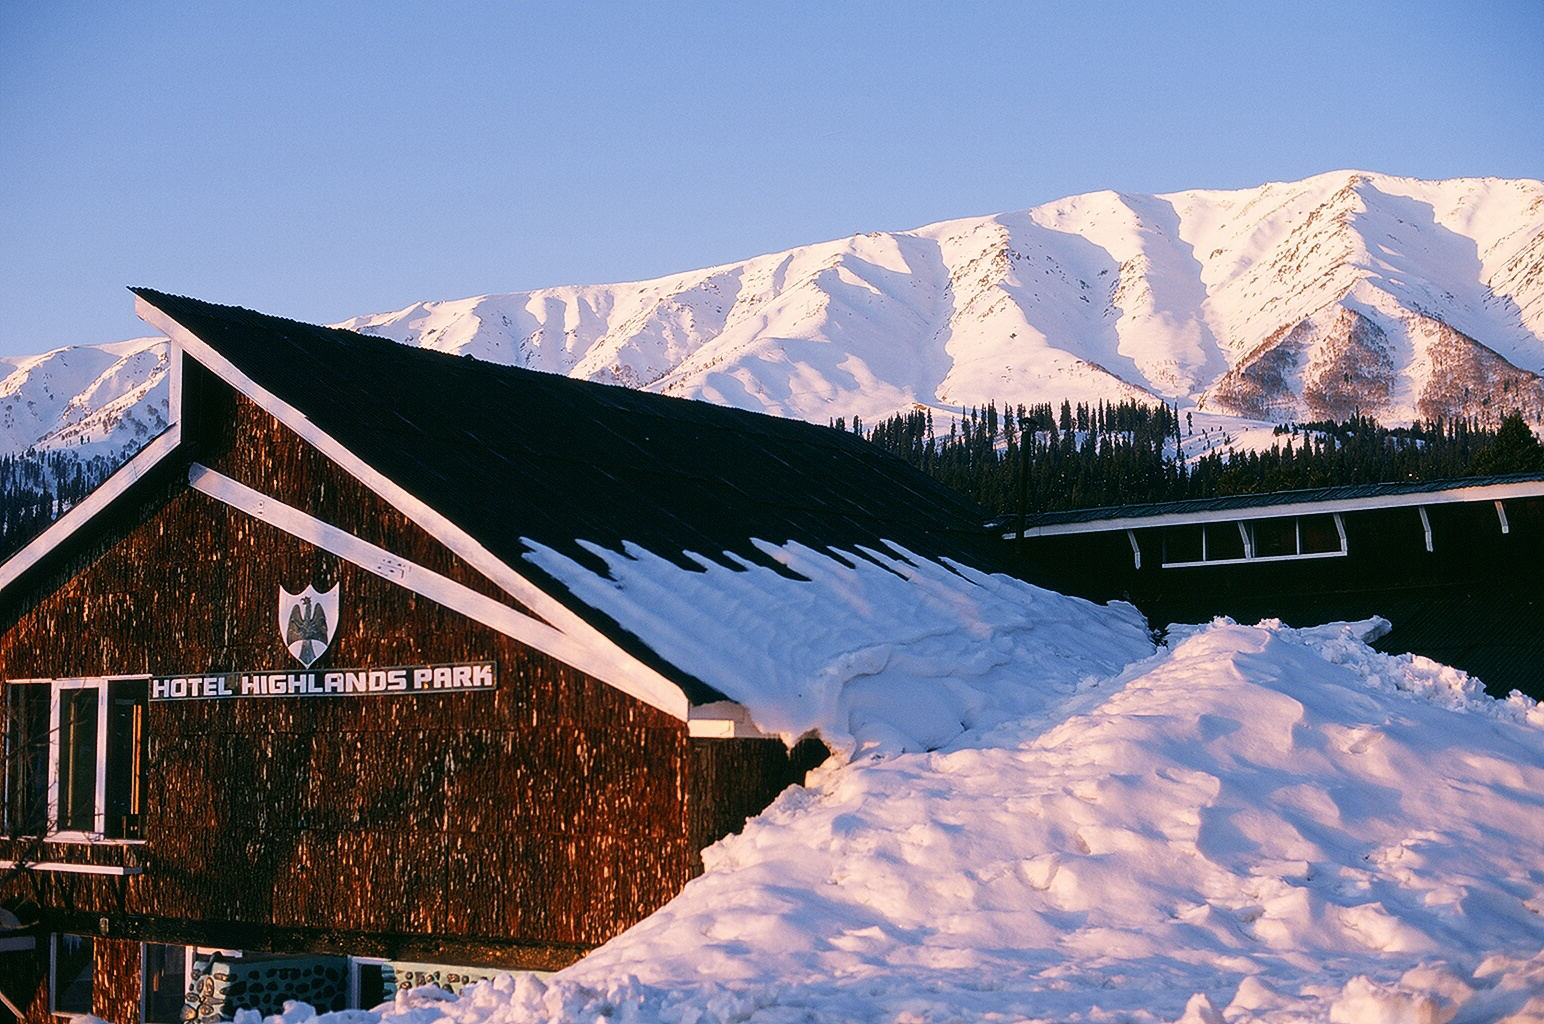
(307, 623)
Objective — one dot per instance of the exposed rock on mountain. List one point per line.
(1333, 365)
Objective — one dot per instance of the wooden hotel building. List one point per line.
(290, 716)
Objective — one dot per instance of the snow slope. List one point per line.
(1346, 292)
(95, 399)
(1257, 824)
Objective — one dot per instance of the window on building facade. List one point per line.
(165, 982)
(26, 759)
(369, 984)
(1263, 540)
(76, 796)
(76, 758)
(1320, 535)
(1182, 545)
(1195, 544)
(70, 975)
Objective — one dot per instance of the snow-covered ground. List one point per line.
(1034, 815)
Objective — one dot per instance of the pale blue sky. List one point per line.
(323, 159)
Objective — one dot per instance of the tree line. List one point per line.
(1033, 458)
(1037, 459)
(38, 487)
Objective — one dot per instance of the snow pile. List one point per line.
(875, 651)
(1257, 824)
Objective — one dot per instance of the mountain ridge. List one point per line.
(1347, 292)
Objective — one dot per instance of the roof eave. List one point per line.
(1460, 494)
(110, 490)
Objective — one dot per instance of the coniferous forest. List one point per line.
(1039, 459)
(38, 487)
(1035, 458)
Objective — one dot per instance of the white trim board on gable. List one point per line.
(604, 661)
(124, 477)
(420, 512)
(562, 620)
(109, 491)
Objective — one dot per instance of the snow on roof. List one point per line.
(880, 650)
(1259, 824)
(491, 459)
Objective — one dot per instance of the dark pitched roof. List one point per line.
(507, 453)
(1372, 495)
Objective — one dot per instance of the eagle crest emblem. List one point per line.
(307, 621)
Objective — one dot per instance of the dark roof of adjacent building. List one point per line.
(1346, 497)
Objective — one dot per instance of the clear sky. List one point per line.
(328, 158)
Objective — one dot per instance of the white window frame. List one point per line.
(354, 985)
(102, 684)
(1247, 533)
(55, 752)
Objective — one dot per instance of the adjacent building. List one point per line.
(1453, 565)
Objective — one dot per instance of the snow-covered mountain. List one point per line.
(1347, 292)
(96, 399)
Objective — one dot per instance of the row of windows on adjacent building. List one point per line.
(198, 985)
(1311, 536)
(75, 758)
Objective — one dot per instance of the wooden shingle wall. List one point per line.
(733, 780)
(518, 826)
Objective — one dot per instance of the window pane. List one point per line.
(26, 789)
(1319, 534)
(166, 983)
(1182, 544)
(1274, 537)
(1223, 541)
(125, 758)
(77, 759)
(72, 974)
(377, 984)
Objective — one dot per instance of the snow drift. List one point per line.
(1253, 824)
(874, 651)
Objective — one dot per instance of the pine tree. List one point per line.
(1514, 450)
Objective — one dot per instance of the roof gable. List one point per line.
(494, 462)
(509, 454)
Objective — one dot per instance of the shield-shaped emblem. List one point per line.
(307, 621)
